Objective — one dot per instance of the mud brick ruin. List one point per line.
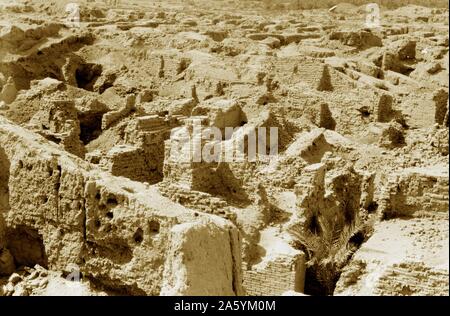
(101, 117)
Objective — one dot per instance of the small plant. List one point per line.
(328, 250)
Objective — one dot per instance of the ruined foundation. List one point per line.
(217, 148)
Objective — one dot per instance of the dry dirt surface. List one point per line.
(224, 148)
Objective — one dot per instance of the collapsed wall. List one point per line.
(41, 63)
(413, 261)
(117, 231)
(331, 194)
(142, 156)
(332, 204)
(234, 71)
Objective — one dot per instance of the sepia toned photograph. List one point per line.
(224, 148)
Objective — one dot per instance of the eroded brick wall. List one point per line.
(284, 273)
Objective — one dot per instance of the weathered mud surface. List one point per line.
(96, 197)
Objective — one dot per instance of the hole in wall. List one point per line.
(153, 227)
(138, 236)
(87, 74)
(90, 126)
(26, 246)
(112, 201)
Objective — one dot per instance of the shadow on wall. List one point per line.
(26, 246)
(24, 243)
(87, 74)
(6, 260)
(4, 179)
(219, 180)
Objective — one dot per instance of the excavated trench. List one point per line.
(328, 251)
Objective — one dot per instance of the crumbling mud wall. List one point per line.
(413, 261)
(331, 195)
(197, 200)
(92, 175)
(107, 226)
(333, 201)
(42, 63)
(148, 134)
(6, 261)
(416, 190)
(181, 274)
